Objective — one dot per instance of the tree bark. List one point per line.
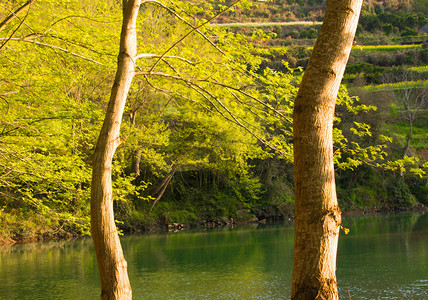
(111, 262)
(409, 137)
(317, 214)
(137, 162)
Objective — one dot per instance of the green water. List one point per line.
(383, 257)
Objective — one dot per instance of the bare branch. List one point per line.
(82, 17)
(15, 30)
(72, 42)
(190, 32)
(162, 187)
(55, 47)
(8, 93)
(187, 23)
(251, 97)
(14, 14)
(201, 91)
(170, 92)
(219, 84)
(149, 55)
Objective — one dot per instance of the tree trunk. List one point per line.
(317, 213)
(111, 263)
(409, 137)
(137, 162)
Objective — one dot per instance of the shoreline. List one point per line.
(176, 227)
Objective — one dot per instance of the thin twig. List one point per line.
(55, 47)
(190, 32)
(14, 14)
(187, 23)
(149, 55)
(16, 29)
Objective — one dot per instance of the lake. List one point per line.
(385, 256)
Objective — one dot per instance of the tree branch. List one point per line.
(14, 31)
(162, 187)
(149, 55)
(57, 48)
(187, 23)
(201, 91)
(219, 84)
(190, 32)
(14, 14)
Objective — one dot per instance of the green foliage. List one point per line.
(386, 20)
(50, 99)
(398, 85)
(366, 188)
(215, 115)
(385, 48)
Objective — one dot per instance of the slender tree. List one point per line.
(111, 262)
(410, 99)
(317, 213)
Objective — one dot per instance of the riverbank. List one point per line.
(61, 234)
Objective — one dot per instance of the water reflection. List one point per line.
(242, 263)
(54, 270)
(383, 257)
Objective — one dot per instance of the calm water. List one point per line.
(383, 257)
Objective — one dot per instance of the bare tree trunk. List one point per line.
(410, 99)
(317, 213)
(409, 137)
(137, 162)
(111, 263)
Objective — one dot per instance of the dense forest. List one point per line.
(208, 123)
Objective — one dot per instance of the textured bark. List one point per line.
(111, 262)
(317, 213)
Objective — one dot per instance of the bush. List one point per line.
(409, 32)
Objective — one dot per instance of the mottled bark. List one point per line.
(317, 214)
(111, 262)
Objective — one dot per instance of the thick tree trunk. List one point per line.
(317, 213)
(111, 263)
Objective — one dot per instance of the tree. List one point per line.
(409, 97)
(317, 214)
(49, 107)
(111, 262)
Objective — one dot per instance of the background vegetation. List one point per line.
(204, 131)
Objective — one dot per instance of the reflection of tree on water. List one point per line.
(373, 263)
(384, 256)
(421, 223)
(381, 223)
